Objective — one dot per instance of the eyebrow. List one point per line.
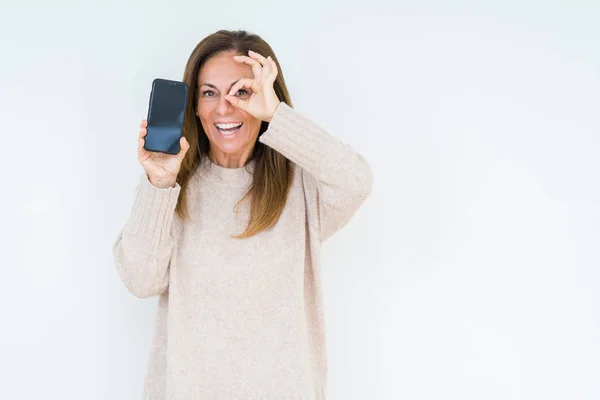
(213, 86)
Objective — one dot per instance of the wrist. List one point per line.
(273, 113)
(162, 184)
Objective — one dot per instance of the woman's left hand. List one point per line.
(263, 101)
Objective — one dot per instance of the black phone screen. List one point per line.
(166, 112)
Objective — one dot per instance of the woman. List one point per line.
(228, 232)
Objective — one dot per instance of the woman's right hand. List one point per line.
(161, 168)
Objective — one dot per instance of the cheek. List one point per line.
(253, 123)
(255, 128)
(204, 108)
(204, 113)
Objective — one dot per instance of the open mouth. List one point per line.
(229, 129)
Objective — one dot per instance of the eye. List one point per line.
(206, 92)
(243, 90)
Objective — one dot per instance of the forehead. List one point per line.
(222, 69)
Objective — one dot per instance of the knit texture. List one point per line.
(242, 318)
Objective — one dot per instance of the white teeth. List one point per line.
(228, 126)
(228, 133)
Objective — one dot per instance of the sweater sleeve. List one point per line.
(142, 250)
(337, 180)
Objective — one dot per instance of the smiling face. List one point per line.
(231, 144)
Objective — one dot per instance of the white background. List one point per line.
(471, 273)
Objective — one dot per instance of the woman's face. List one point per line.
(216, 77)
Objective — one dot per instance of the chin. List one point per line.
(229, 148)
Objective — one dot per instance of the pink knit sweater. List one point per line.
(242, 318)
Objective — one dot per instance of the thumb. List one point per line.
(237, 102)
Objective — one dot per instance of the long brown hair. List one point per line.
(273, 172)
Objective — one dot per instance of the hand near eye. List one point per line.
(263, 101)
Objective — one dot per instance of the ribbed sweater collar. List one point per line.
(225, 176)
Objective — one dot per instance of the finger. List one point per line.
(248, 60)
(273, 71)
(143, 154)
(267, 67)
(257, 67)
(184, 146)
(143, 133)
(242, 83)
(237, 102)
(144, 124)
(262, 59)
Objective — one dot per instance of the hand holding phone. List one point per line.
(161, 168)
(166, 114)
(162, 146)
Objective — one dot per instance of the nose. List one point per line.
(224, 107)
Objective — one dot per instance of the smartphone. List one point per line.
(166, 112)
